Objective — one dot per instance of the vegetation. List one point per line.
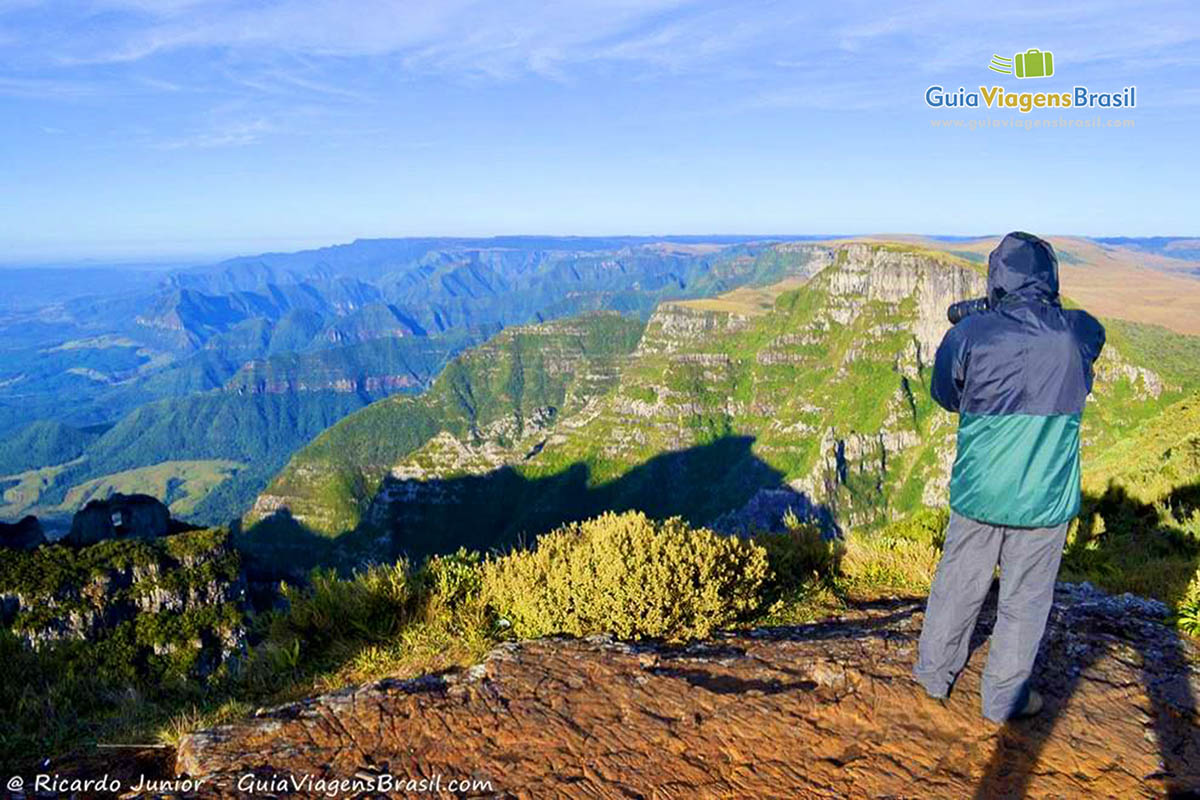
(99, 640)
(630, 576)
(677, 429)
(507, 381)
(41, 444)
(625, 574)
(621, 573)
(415, 360)
(215, 429)
(1139, 528)
(1189, 608)
(180, 484)
(237, 362)
(1175, 356)
(897, 559)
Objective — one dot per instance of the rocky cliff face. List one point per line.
(831, 381)
(928, 281)
(821, 710)
(173, 602)
(119, 516)
(26, 534)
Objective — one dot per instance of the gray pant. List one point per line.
(1028, 559)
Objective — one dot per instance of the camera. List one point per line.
(963, 308)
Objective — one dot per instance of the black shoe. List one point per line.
(1033, 705)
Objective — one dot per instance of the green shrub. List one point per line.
(798, 556)
(1188, 611)
(1124, 544)
(454, 579)
(372, 605)
(901, 557)
(628, 575)
(927, 526)
(384, 620)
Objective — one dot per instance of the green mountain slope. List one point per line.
(1139, 529)
(258, 430)
(1159, 462)
(381, 365)
(821, 390)
(368, 319)
(511, 388)
(266, 410)
(41, 443)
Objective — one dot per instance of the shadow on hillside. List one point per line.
(282, 548)
(1132, 530)
(504, 507)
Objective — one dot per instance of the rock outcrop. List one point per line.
(178, 598)
(120, 516)
(767, 510)
(821, 710)
(26, 534)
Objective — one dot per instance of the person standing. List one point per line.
(1018, 375)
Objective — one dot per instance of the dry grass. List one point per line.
(747, 300)
(1108, 281)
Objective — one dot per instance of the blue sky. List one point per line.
(146, 128)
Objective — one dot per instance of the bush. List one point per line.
(798, 556)
(901, 557)
(1124, 544)
(453, 580)
(386, 619)
(628, 575)
(1188, 612)
(371, 606)
(927, 526)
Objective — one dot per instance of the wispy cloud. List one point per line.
(495, 38)
(474, 39)
(938, 36)
(280, 55)
(235, 134)
(292, 80)
(526, 36)
(47, 87)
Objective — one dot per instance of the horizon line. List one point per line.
(160, 259)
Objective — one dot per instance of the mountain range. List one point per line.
(219, 373)
(200, 384)
(811, 393)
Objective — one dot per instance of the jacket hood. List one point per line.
(1023, 266)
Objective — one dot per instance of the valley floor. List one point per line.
(820, 710)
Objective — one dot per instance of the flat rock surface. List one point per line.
(822, 710)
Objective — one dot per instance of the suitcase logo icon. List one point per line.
(1033, 63)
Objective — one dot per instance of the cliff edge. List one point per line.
(820, 710)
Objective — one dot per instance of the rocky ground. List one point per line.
(822, 710)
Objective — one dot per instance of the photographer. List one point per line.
(1017, 372)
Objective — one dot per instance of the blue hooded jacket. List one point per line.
(1018, 375)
